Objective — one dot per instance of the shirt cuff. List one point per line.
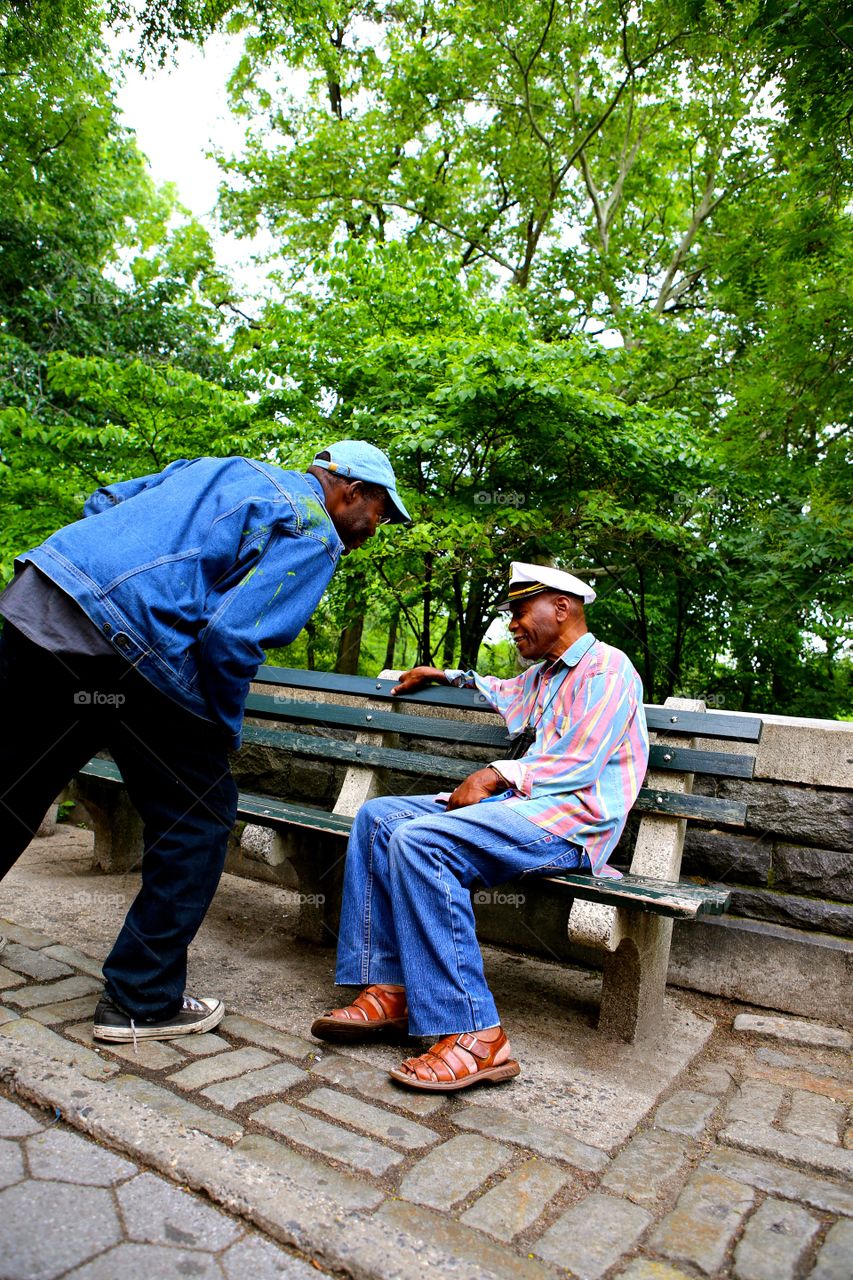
(516, 774)
(457, 677)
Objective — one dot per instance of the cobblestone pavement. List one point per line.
(743, 1169)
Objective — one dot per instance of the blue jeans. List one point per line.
(407, 916)
(57, 711)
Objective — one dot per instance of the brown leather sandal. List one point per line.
(457, 1062)
(374, 1013)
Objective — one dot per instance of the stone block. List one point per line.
(150, 1260)
(731, 859)
(512, 1126)
(7, 1015)
(805, 750)
(175, 1108)
(813, 1116)
(351, 1073)
(77, 959)
(425, 1243)
(15, 1122)
(797, 912)
(373, 1120)
(649, 1166)
(10, 932)
(763, 1140)
(35, 1036)
(60, 1156)
(72, 1224)
(311, 1175)
(201, 1046)
(255, 1258)
(833, 1260)
(156, 1212)
(794, 1030)
(686, 1112)
(776, 1237)
(453, 1171)
(9, 979)
(34, 964)
(799, 814)
(255, 1084)
(705, 1220)
(778, 1179)
(327, 1139)
(646, 1269)
(53, 992)
(267, 1037)
(824, 873)
(755, 1103)
(151, 1055)
(221, 1066)
(65, 1010)
(592, 1236)
(11, 1163)
(516, 1202)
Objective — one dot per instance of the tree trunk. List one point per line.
(350, 648)
(311, 656)
(426, 636)
(391, 646)
(449, 651)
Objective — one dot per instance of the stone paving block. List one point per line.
(73, 1224)
(755, 1103)
(176, 1108)
(15, 1122)
(812, 1116)
(255, 1084)
(9, 979)
(65, 1010)
(373, 1082)
(794, 1030)
(267, 1037)
(7, 1015)
(813, 1066)
(452, 1171)
(257, 1259)
(686, 1112)
(11, 1163)
(200, 1045)
(373, 1120)
(828, 1084)
(60, 1156)
(651, 1162)
(220, 1067)
(786, 1146)
(77, 959)
(53, 992)
(791, 1184)
(327, 1139)
(37, 965)
(152, 1261)
(156, 1212)
(592, 1236)
(714, 1077)
(153, 1055)
(776, 1237)
(515, 1204)
(428, 1243)
(511, 1126)
(27, 937)
(834, 1257)
(705, 1219)
(646, 1269)
(313, 1175)
(34, 1035)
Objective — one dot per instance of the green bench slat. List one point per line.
(319, 748)
(323, 713)
(672, 804)
(687, 760)
(700, 724)
(681, 901)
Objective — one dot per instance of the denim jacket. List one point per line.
(193, 572)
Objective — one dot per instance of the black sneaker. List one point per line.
(112, 1023)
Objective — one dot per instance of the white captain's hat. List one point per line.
(527, 580)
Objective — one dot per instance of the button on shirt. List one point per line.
(589, 757)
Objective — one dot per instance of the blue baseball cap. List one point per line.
(358, 460)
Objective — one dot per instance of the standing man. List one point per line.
(139, 629)
(407, 924)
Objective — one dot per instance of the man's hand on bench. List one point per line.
(419, 678)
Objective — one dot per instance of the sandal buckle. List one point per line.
(469, 1042)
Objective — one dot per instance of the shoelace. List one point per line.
(135, 1045)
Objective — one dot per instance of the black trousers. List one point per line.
(56, 712)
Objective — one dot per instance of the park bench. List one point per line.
(431, 740)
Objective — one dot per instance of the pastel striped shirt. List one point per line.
(583, 772)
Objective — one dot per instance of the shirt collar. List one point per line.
(576, 651)
(318, 489)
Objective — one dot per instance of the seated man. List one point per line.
(407, 924)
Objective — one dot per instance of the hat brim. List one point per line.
(400, 515)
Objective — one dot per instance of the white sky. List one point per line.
(178, 113)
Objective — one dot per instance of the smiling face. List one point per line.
(544, 626)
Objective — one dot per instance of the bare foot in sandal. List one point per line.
(376, 1011)
(460, 1061)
